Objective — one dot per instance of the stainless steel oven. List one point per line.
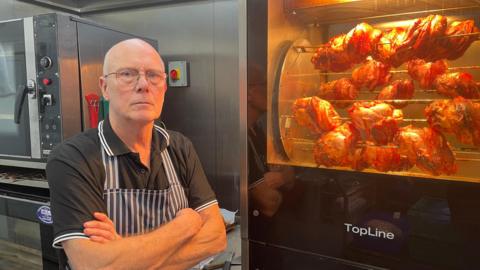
(48, 64)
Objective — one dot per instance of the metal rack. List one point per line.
(419, 101)
(308, 144)
(391, 71)
(311, 49)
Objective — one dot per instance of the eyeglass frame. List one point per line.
(164, 80)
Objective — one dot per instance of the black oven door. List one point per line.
(18, 103)
(26, 231)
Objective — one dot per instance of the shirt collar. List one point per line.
(114, 146)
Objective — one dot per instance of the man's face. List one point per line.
(138, 100)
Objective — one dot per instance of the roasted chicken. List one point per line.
(456, 41)
(371, 74)
(429, 38)
(425, 33)
(316, 114)
(342, 89)
(398, 90)
(381, 158)
(343, 51)
(426, 72)
(375, 120)
(399, 44)
(458, 116)
(336, 147)
(457, 84)
(393, 48)
(427, 149)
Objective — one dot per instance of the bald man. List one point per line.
(130, 194)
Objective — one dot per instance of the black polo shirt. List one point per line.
(76, 176)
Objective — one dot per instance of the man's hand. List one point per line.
(101, 230)
(280, 177)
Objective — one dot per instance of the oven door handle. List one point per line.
(22, 92)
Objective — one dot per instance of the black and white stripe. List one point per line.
(135, 211)
(206, 205)
(105, 145)
(164, 133)
(57, 242)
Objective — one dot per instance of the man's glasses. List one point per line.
(131, 76)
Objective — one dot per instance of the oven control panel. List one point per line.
(46, 50)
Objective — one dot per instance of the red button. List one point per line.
(174, 74)
(46, 81)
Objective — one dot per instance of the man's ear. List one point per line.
(102, 82)
(165, 87)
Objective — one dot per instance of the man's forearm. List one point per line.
(210, 240)
(147, 251)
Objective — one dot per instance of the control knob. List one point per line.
(46, 62)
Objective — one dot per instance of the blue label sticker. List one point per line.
(44, 214)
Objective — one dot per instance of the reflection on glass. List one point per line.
(12, 75)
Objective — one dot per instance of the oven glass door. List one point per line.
(15, 137)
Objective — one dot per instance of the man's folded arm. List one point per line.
(147, 251)
(210, 240)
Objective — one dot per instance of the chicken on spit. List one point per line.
(399, 89)
(458, 116)
(426, 33)
(336, 147)
(381, 158)
(429, 38)
(459, 35)
(426, 72)
(427, 149)
(399, 44)
(390, 47)
(343, 51)
(376, 120)
(457, 84)
(371, 74)
(342, 89)
(316, 114)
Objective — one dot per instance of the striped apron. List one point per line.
(137, 211)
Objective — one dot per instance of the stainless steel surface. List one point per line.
(13, 9)
(206, 111)
(24, 200)
(24, 164)
(243, 163)
(332, 12)
(92, 6)
(71, 95)
(32, 97)
(93, 42)
(226, 99)
(242, 82)
(29, 183)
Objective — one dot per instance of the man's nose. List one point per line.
(142, 83)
